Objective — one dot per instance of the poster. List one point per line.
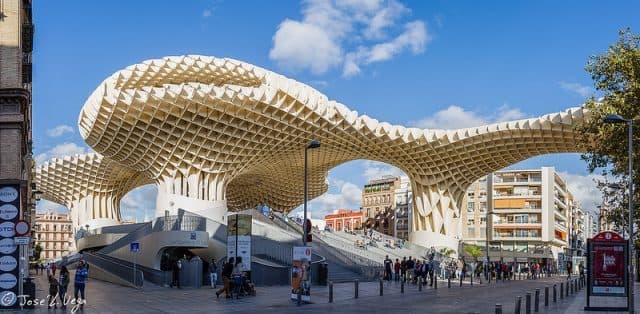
(609, 268)
(301, 273)
(9, 252)
(608, 253)
(239, 238)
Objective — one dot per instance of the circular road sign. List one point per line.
(22, 228)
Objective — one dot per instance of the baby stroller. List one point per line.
(243, 286)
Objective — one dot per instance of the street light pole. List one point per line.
(312, 145)
(614, 118)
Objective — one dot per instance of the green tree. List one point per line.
(474, 250)
(447, 252)
(37, 250)
(616, 75)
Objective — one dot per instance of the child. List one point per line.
(53, 292)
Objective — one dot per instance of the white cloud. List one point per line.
(456, 117)
(140, 203)
(584, 189)
(323, 39)
(348, 196)
(299, 45)
(582, 90)
(207, 13)
(61, 150)
(59, 130)
(376, 170)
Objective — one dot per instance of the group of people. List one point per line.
(58, 286)
(234, 279)
(409, 270)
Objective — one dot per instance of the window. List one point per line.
(471, 232)
(470, 206)
(471, 222)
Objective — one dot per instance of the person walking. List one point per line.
(213, 273)
(63, 285)
(403, 269)
(227, 270)
(396, 268)
(387, 268)
(177, 266)
(48, 268)
(53, 292)
(79, 283)
(53, 269)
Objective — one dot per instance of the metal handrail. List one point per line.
(107, 265)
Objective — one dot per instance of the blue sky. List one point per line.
(444, 64)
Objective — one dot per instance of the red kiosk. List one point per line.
(607, 262)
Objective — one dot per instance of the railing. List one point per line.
(134, 235)
(124, 272)
(180, 223)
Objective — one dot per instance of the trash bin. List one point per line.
(29, 289)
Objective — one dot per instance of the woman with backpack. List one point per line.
(63, 283)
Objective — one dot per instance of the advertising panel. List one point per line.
(9, 253)
(301, 273)
(239, 238)
(608, 265)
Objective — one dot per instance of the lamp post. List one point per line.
(312, 145)
(614, 118)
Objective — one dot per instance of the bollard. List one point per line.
(419, 284)
(518, 303)
(460, 279)
(572, 287)
(536, 302)
(527, 307)
(299, 297)
(561, 290)
(498, 308)
(555, 294)
(381, 287)
(546, 296)
(330, 291)
(566, 293)
(449, 282)
(435, 281)
(402, 287)
(472, 278)
(356, 284)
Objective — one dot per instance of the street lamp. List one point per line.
(312, 145)
(614, 118)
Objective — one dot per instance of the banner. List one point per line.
(9, 252)
(239, 238)
(301, 273)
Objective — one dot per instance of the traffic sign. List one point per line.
(21, 240)
(134, 247)
(22, 228)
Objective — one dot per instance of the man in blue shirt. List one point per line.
(82, 273)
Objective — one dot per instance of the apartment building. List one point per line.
(379, 203)
(53, 232)
(403, 209)
(530, 217)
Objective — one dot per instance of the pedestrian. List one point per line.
(213, 273)
(396, 268)
(403, 268)
(48, 268)
(409, 272)
(424, 271)
(79, 282)
(53, 269)
(64, 284)
(227, 270)
(387, 268)
(432, 270)
(177, 266)
(53, 292)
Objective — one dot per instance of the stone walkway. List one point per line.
(109, 298)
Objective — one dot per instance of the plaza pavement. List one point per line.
(105, 297)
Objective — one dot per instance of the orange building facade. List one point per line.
(342, 220)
